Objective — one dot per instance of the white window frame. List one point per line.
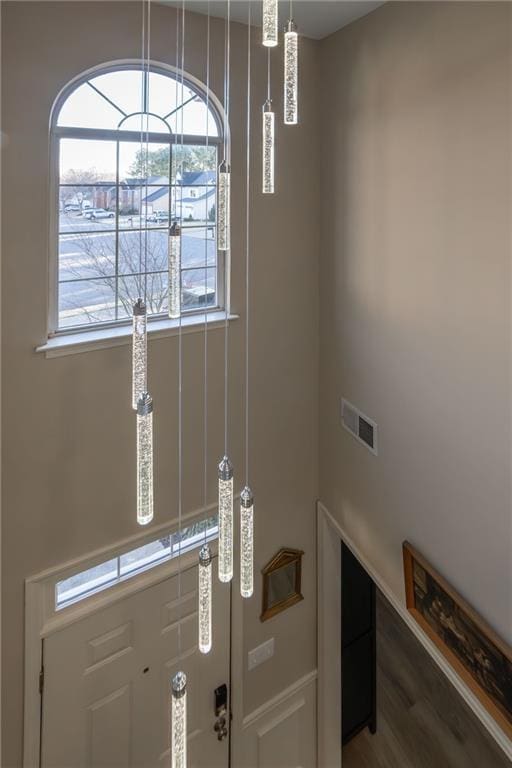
(62, 341)
(144, 563)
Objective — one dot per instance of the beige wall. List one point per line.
(415, 290)
(68, 429)
(414, 187)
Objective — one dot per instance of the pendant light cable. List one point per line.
(141, 148)
(228, 253)
(205, 362)
(146, 159)
(247, 246)
(205, 556)
(246, 497)
(268, 74)
(225, 468)
(180, 339)
(179, 680)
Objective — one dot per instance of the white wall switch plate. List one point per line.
(262, 653)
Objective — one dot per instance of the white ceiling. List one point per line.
(315, 18)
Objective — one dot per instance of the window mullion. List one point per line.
(117, 232)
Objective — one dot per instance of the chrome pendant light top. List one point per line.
(246, 498)
(179, 685)
(225, 469)
(145, 404)
(139, 308)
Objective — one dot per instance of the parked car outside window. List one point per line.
(98, 213)
(158, 216)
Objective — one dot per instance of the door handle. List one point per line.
(221, 728)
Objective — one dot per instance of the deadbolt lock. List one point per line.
(221, 710)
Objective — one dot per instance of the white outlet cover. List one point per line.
(260, 654)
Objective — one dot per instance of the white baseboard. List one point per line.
(471, 700)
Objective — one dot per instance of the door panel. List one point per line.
(108, 729)
(106, 697)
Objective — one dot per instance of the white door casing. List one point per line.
(107, 680)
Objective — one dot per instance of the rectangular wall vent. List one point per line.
(359, 425)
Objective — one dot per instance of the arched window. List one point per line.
(133, 151)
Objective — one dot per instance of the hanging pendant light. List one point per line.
(224, 217)
(179, 680)
(246, 542)
(179, 720)
(139, 351)
(145, 459)
(205, 599)
(205, 555)
(268, 148)
(174, 271)
(225, 520)
(291, 73)
(270, 23)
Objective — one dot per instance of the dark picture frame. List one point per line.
(480, 657)
(282, 578)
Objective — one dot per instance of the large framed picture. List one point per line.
(481, 658)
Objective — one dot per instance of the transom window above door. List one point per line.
(133, 151)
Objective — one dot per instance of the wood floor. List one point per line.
(422, 722)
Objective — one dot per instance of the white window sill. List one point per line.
(103, 338)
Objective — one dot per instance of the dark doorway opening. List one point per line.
(358, 642)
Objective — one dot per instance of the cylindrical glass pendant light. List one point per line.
(270, 22)
(139, 351)
(291, 73)
(205, 599)
(246, 543)
(175, 271)
(224, 216)
(145, 459)
(179, 720)
(268, 148)
(225, 520)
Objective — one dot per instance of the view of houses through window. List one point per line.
(120, 189)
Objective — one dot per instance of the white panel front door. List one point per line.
(107, 680)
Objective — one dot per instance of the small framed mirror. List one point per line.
(281, 582)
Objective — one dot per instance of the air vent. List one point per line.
(359, 425)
